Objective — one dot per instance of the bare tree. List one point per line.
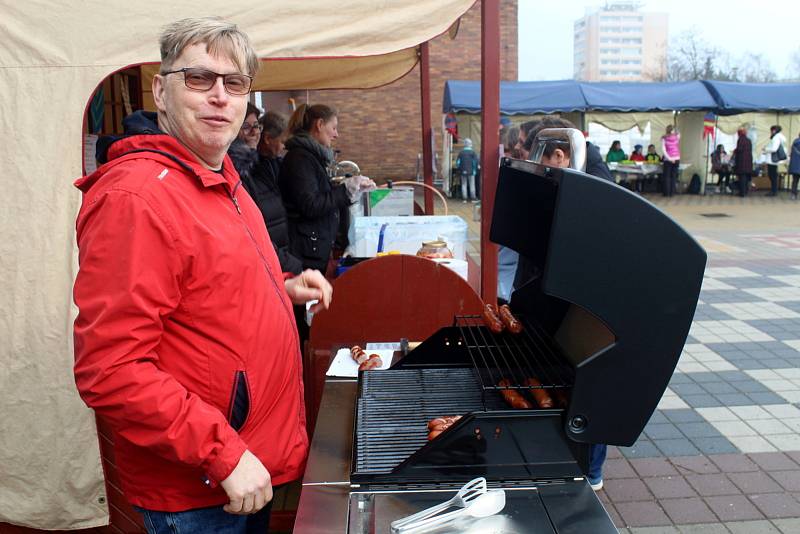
(793, 72)
(755, 68)
(690, 57)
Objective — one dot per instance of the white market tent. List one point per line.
(53, 58)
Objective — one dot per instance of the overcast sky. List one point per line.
(770, 27)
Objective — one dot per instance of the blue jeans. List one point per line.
(213, 520)
(596, 460)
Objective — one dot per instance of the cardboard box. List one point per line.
(395, 202)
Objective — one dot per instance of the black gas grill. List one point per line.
(611, 288)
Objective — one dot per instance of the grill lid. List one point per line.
(612, 278)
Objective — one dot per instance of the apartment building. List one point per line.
(620, 42)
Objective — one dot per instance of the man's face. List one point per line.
(206, 122)
(272, 147)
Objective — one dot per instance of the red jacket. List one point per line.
(181, 298)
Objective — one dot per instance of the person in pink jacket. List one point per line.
(671, 159)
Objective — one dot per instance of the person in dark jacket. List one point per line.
(794, 166)
(259, 173)
(743, 161)
(312, 201)
(468, 163)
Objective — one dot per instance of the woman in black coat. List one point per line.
(743, 161)
(258, 170)
(312, 202)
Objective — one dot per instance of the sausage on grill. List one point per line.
(445, 420)
(512, 397)
(542, 397)
(492, 319)
(440, 424)
(509, 321)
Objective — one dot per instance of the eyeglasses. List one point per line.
(202, 80)
(248, 127)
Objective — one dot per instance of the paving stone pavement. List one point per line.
(722, 452)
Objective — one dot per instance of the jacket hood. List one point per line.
(305, 141)
(244, 158)
(137, 123)
(167, 151)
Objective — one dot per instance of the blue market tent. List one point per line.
(516, 98)
(735, 97)
(529, 98)
(640, 96)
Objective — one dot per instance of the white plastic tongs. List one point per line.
(472, 499)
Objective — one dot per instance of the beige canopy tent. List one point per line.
(53, 58)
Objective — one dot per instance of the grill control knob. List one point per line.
(577, 424)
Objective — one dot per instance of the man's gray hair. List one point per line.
(219, 36)
(273, 124)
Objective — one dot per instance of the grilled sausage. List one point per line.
(512, 397)
(433, 434)
(542, 397)
(509, 321)
(372, 363)
(492, 319)
(358, 354)
(439, 422)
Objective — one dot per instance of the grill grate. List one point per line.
(533, 353)
(394, 408)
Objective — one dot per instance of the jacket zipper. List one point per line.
(232, 196)
(289, 314)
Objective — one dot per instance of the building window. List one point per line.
(631, 51)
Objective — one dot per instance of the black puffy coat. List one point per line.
(312, 202)
(259, 176)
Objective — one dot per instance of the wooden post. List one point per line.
(490, 140)
(427, 133)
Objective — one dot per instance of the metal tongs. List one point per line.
(472, 499)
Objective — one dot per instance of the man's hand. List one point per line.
(310, 285)
(249, 486)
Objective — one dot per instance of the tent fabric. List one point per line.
(725, 98)
(516, 98)
(735, 97)
(633, 96)
(621, 122)
(52, 60)
(342, 73)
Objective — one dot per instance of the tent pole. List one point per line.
(490, 152)
(427, 133)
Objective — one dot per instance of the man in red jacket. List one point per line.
(185, 340)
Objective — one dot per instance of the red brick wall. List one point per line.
(380, 129)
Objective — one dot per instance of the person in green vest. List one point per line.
(615, 153)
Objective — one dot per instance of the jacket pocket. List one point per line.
(308, 242)
(239, 407)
